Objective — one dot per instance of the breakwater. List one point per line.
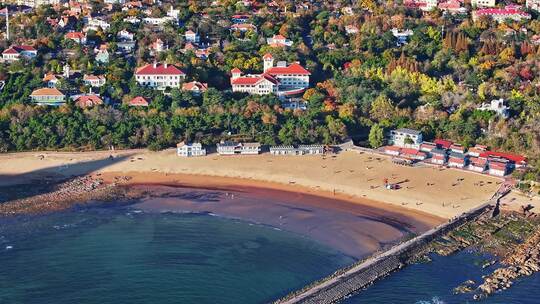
(350, 280)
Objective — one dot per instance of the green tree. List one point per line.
(376, 136)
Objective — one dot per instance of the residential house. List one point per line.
(478, 164)
(78, 37)
(533, 4)
(159, 76)
(443, 144)
(282, 79)
(243, 27)
(232, 148)
(477, 150)
(427, 146)
(351, 29)
(191, 36)
(514, 160)
(401, 36)
(125, 35)
(392, 150)
(93, 80)
(138, 101)
(406, 138)
(16, 52)
(95, 24)
(190, 149)
(439, 156)
(483, 3)
(102, 56)
(457, 160)
(279, 41)
(87, 101)
(195, 87)
(498, 168)
(457, 148)
(413, 154)
(512, 12)
(47, 96)
(51, 80)
(452, 7)
(158, 46)
(497, 106)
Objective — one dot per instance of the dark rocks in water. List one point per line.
(465, 287)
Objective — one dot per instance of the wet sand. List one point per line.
(357, 229)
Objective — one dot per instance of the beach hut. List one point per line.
(478, 164)
(498, 168)
(392, 150)
(438, 156)
(457, 160)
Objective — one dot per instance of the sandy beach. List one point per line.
(353, 176)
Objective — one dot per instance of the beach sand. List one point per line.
(356, 177)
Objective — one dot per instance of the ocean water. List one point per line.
(106, 255)
(434, 283)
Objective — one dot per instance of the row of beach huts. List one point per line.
(247, 148)
(408, 145)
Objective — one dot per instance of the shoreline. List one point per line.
(356, 228)
(351, 175)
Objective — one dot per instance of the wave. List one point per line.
(434, 300)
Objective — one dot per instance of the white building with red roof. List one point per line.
(86, 101)
(195, 87)
(159, 76)
(94, 80)
(48, 96)
(78, 37)
(279, 41)
(512, 12)
(15, 52)
(282, 79)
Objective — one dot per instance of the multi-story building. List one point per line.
(159, 76)
(94, 81)
(483, 3)
(36, 3)
(15, 52)
(282, 79)
(512, 12)
(406, 138)
(191, 36)
(190, 149)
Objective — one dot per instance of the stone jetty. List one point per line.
(350, 280)
(76, 190)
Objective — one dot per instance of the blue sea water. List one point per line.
(104, 255)
(434, 282)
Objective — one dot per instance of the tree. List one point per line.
(376, 136)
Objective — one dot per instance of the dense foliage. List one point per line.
(363, 84)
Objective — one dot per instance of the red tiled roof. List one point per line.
(443, 143)
(268, 56)
(46, 92)
(195, 85)
(75, 35)
(236, 70)
(15, 49)
(294, 68)
(392, 148)
(512, 157)
(88, 101)
(251, 80)
(159, 69)
(138, 101)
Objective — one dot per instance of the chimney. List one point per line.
(166, 65)
(155, 64)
